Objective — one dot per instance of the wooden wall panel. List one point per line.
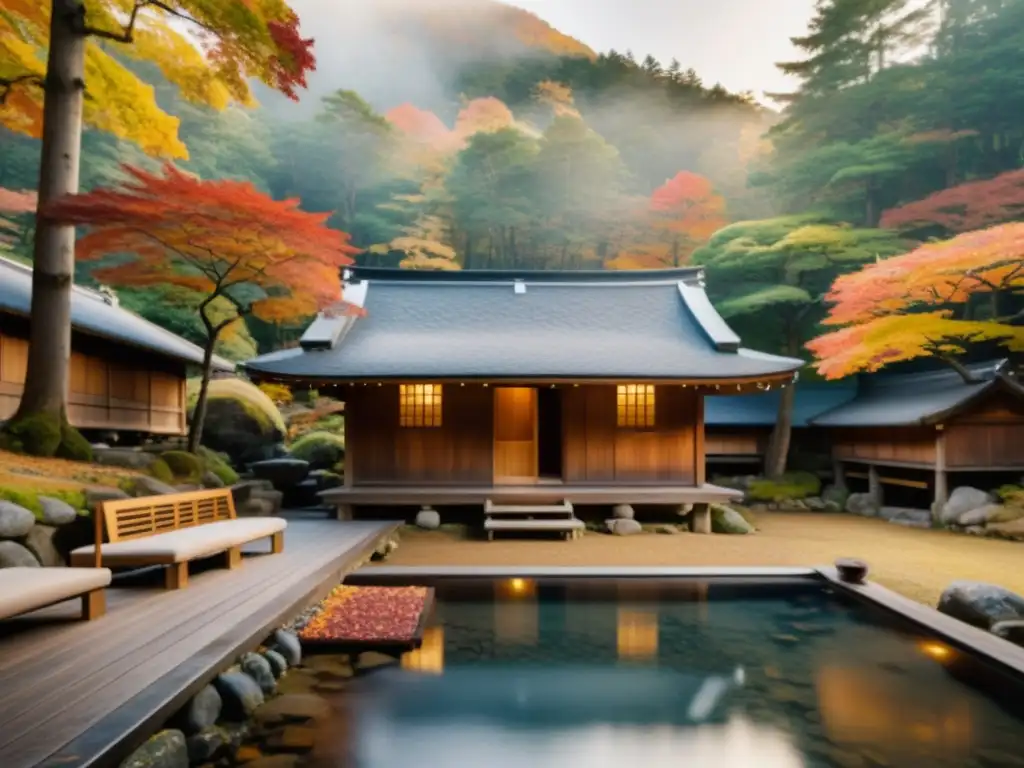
(598, 451)
(104, 393)
(985, 445)
(735, 441)
(459, 451)
(911, 446)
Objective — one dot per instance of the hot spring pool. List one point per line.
(783, 673)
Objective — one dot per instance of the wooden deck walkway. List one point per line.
(76, 694)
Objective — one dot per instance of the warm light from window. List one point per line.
(637, 634)
(635, 405)
(419, 405)
(428, 659)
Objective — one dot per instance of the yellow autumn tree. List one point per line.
(55, 52)
(916, 305)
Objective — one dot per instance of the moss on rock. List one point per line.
(787, 487)
(218, 464)
(241, 421)
(44, 434)
(323, 450)
(183, 465)
(158, 470)
(29, 499)
(73, 446)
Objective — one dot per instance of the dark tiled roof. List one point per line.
(93, 315)
(760, 410)
(493, 325)
(890, 400)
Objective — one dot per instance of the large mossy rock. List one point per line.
(323, 450)
(241, 421)
(281, 473)
(728, 520)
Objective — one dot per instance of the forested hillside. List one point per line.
(473, 135)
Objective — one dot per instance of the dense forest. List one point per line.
(904, 134)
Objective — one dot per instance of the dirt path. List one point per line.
(917, 563)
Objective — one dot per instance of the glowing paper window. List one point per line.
(419, 405)
(635, 405)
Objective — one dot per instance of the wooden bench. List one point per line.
(174, 529)
(23, 590)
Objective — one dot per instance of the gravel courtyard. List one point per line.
(917, 563)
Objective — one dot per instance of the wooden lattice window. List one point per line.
(419, 405)
(636, 405)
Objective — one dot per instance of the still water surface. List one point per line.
(517, 673)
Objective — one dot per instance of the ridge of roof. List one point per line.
(921, 398)
(690, 275)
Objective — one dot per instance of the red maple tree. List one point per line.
(964, 208)
(226, 241)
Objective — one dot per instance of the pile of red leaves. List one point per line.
(368, 615)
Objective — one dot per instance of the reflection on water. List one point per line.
(522, 674)
(738, 742)
(428, 659)
(637, 634)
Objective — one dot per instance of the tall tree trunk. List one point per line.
(46, 381)
(195, 431)
(777, 452)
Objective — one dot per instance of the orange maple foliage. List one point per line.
(209, 236)
(419, 124)
(485, 115)
(13, 202)
(223, 239)
(963, 208)
(907, 306)
(681, 214)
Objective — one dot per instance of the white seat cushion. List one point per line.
(187, 543)
(26, 589)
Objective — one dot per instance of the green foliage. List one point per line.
(218, 464)
(158, 470)
(788, 487)
(184, 466)
(323, 450)
(774, 273)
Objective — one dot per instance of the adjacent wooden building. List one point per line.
(127, 375)
(923, 428)
(737, 428)
(464, 387)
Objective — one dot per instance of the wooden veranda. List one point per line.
(76, 694)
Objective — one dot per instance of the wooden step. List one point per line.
(567, 524)
(490, 508)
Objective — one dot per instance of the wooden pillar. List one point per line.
(700, 518)
(874, 485)
(700, 461)
(941, 479)
(343, 511)
(838, 473)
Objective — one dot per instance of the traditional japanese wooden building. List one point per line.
(918, 429)
(480, 387)
(737, 428)
(127, 374)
